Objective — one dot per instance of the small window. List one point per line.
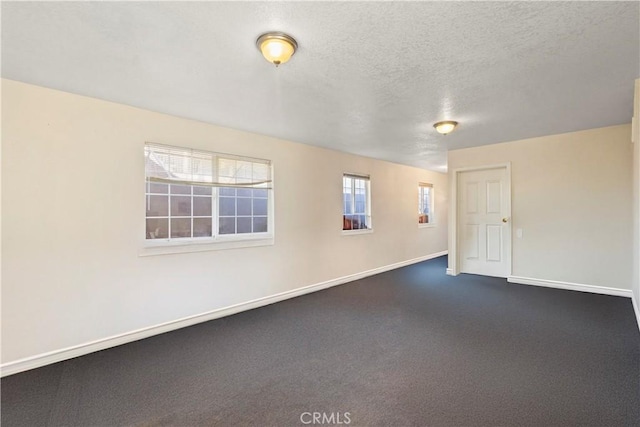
(200, 196)
(425, 203)
(356, 202)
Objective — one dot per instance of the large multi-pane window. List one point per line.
(202, 195)
(356, 202)
(425, 203)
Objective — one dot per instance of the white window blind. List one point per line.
(177, 165)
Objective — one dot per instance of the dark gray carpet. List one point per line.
(408, 347)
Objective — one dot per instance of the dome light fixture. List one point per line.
(277, 47)
(445, 127)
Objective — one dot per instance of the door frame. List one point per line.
(454, 234)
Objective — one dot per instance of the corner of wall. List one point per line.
(635, 137)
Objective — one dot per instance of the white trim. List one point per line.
(454, 264)
(43, 359)
(636, 308)
(427, 225)
(177, 247)
(570, 286)
(357, 231)
(453, 268)
(483, 167)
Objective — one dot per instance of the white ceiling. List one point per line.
(369, 78)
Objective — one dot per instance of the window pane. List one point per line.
(355, 201)
(206, 191)
(202, 206)
(360, 203)
(260, 224)
(260, 193)
(227, 206)
(259, 206)
(157, 228)
(244, 207)
(347, 198)
(227, 225)
(226, 191)
(180, 189)
(427, 200)
(244, 192)
(244, 225)
(347, 204)
(181, 227)
(157, 188)
(347, 222)
(425, 194)
(202, 227)
(180, 206)
(157, 206)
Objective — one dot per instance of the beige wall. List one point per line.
(73, 222)
(571, 198)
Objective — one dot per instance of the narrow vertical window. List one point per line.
(425, 203)
(356, 203)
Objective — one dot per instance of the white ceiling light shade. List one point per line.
(445, 127)
(277, 47)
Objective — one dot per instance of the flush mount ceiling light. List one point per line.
(445, 127)
(277, 47)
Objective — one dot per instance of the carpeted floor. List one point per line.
(407, 347)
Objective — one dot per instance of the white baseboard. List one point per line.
(636, 308)
(570, 286)
(450, 272)
(48, 358)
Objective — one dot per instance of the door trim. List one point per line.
(454, 256)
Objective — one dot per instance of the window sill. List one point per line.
(353, 232)
(429, 225)
(163, 247)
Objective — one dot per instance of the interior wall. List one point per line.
(73, 222)
(570, 197)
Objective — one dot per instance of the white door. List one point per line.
(484, 222)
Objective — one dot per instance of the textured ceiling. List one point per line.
(369, 78)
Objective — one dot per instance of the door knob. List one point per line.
(505, 219)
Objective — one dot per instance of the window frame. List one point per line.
(367, 214)
(431, 215)
(168, 245)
